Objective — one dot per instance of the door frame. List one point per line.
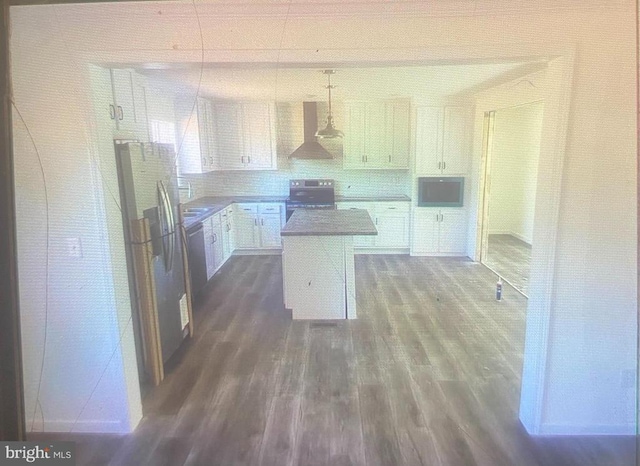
(561, 65)
(556, 95)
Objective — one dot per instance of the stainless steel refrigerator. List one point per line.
(149, 189)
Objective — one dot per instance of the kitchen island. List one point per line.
(318, 264)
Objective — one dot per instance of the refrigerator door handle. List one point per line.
(167, 227)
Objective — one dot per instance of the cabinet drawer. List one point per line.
(247, 208)
(269, 208)
(384, 207)
(355, 205)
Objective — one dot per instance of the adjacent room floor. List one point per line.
(511, 258)
(429, 374)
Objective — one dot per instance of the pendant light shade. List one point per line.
(330, 132)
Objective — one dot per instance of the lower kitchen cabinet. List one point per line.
(257, 226)
(439, 231)
(270, 231)
(228, 237)
(213, 244)
(391, 220)
(246, 226)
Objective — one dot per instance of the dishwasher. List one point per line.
(197, 258)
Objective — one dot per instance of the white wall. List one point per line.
(586, 346)
(89, 379)
(514, 170)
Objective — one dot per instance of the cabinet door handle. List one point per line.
(441, 217)
(439, 165)
(391, 208)
(121, 113)
(389, 158)
(363, 158)
(262, 221)
(437, 217)
(249, 159)
(255, 221)
(112, 112)
(444, 165)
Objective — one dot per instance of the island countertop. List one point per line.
(310, 222)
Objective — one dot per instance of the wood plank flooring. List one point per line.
(428, 375)
(511, 258)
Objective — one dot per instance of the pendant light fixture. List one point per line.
(329, 132)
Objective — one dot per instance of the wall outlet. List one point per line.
(74, 247)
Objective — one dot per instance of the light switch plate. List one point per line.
(74, 247)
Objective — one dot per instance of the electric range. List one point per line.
(310, 194)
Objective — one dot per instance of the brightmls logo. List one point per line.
(54, 453)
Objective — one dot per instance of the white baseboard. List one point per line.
(521, 238)
(602, 429)
(94, 427)
(511, 233)
(257, 252)
(437, 254)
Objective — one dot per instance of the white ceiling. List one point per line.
(298, 84)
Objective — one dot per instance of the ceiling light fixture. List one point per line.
(329, 132)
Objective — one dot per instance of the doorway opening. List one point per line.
(511, 149)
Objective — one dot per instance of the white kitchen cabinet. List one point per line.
(439, 231)
(218, 248)
(247, 234)
(227, 233)
(355, 135)
(270, 223)
(258, 122)
(270, 231)
(377, 135)
(208, 247)
(258, 226)
(140, 109)
(123, 99)
(194, 135)
(395, 146)
(245, 135)
(229, 135)
(391, 220)
(443, 140)
(128, 106)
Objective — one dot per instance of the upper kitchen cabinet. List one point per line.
(128, 106)
(195, 136)
(245, 135)
(377, 135)
(443, 140)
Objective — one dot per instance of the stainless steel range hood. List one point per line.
(310, 149)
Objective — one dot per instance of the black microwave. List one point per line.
(444, 191)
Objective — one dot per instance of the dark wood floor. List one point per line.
(429, 374)
(511, 258)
